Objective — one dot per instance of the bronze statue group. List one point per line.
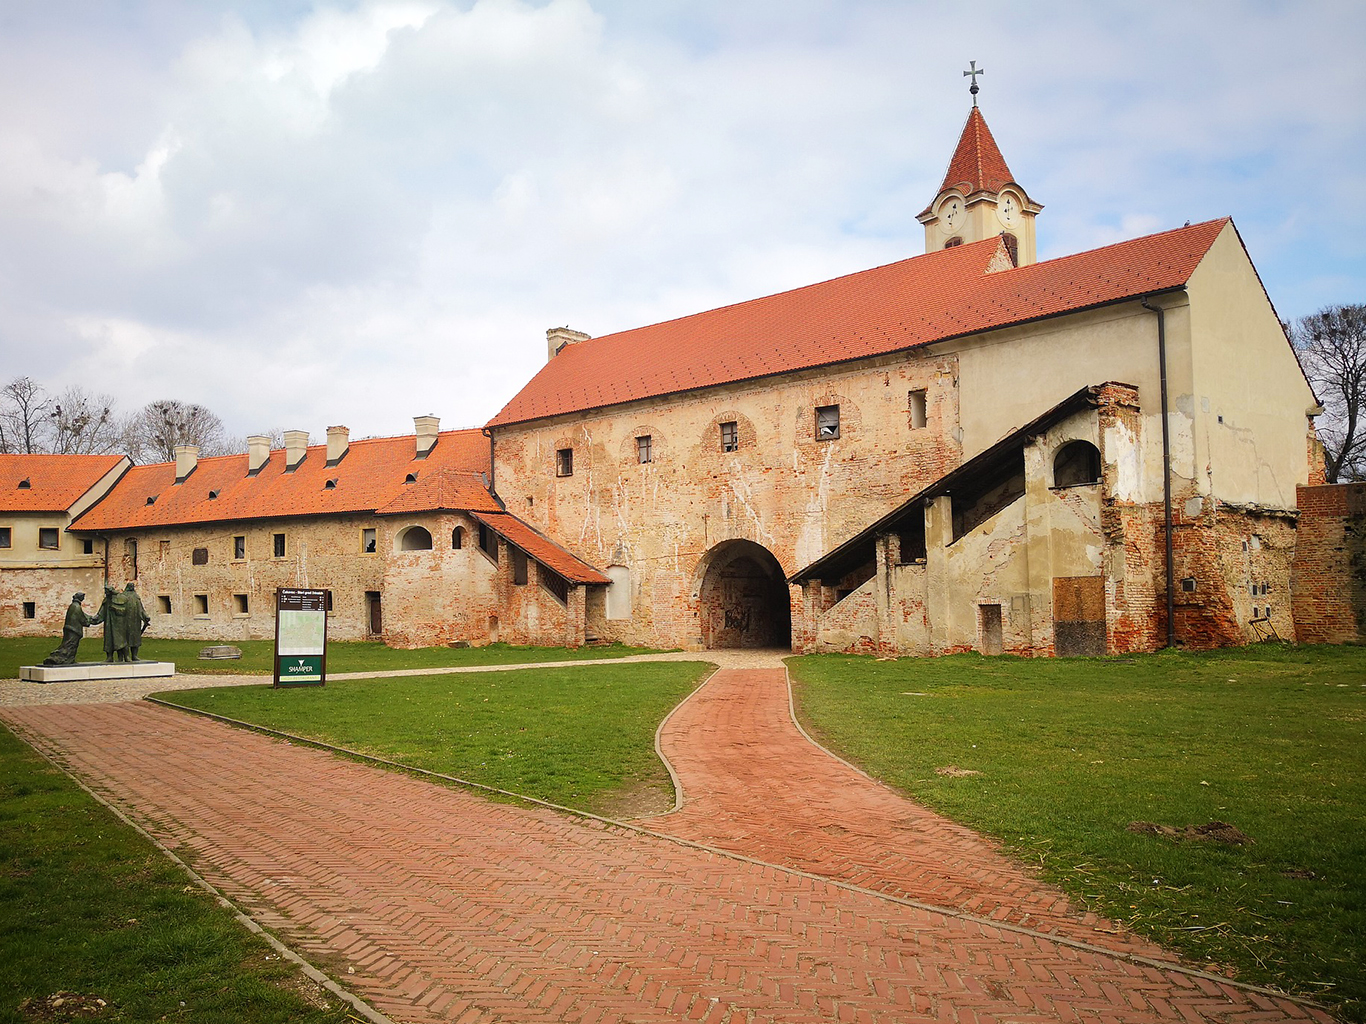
(124, 619)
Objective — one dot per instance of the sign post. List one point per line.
(300, 637)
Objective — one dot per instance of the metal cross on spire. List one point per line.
(974, 73)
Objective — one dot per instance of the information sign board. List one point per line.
(300, 637)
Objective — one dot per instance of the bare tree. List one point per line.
(24, 406)
(1332, 348)
(151, 435)
(83, 423)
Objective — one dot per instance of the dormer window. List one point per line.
(213, 495)
(411, 478)
(24, 484)
(151, 499)
(331, 485)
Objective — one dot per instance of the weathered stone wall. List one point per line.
(319, 552)
(1328, 588)
(447, 595)
(44, 577)
(783, 489)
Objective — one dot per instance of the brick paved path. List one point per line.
(754, 784)
(448, 907)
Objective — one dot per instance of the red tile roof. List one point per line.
(55, 482)
(944, 294)
(541, 548)
(445, 489)
(977, 164)
(372, 475)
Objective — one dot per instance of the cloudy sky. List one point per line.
(300, 214)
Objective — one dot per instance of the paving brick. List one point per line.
(483, 912)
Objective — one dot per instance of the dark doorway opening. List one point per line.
(744, 598)
(373, 613)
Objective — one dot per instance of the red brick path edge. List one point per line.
(448, 907)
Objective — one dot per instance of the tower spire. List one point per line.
(980, 197)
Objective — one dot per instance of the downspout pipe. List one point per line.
(1166, 468)
(493, 464)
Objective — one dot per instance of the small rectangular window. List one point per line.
(240, 604)
(199, 556)
(30, 609)
(239, 547)
(915, 402)
(518, 567)
(48, 538)
(645, 448)
(730, 437)
(279, 545)
(164, 604)
(828, 423)
(5, 536)
(1188, 585)
(87, 547)
(201, 604)
(368, 541)
(564, 462)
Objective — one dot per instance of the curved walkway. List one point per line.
(754, 783)
(435, 904)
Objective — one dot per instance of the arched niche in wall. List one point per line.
(1076, 463)
(415, 538)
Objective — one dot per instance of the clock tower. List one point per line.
(980, 198)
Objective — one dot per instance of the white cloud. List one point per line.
(371, 210)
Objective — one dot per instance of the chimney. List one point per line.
(558, 337)
(426, 428)
(338, 439)
(186, 458)
(258, 452)
(296, 447)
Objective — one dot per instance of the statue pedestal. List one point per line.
(87, 671)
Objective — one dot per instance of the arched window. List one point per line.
(1077, 462)
(457, 538)
(415, 538)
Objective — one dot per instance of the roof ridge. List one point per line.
(1129, 241)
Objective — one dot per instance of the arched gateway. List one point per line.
(743, 599)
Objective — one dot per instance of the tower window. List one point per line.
(645, 449)
(564, 462)
(955, 240)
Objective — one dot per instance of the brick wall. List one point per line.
(1328, 589)
(784, 489)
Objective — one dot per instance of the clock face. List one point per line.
(951, 214)
(1008, 210)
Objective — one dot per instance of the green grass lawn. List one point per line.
(580, 737)
(88, 906)
(342, 656)
(1070, 751)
